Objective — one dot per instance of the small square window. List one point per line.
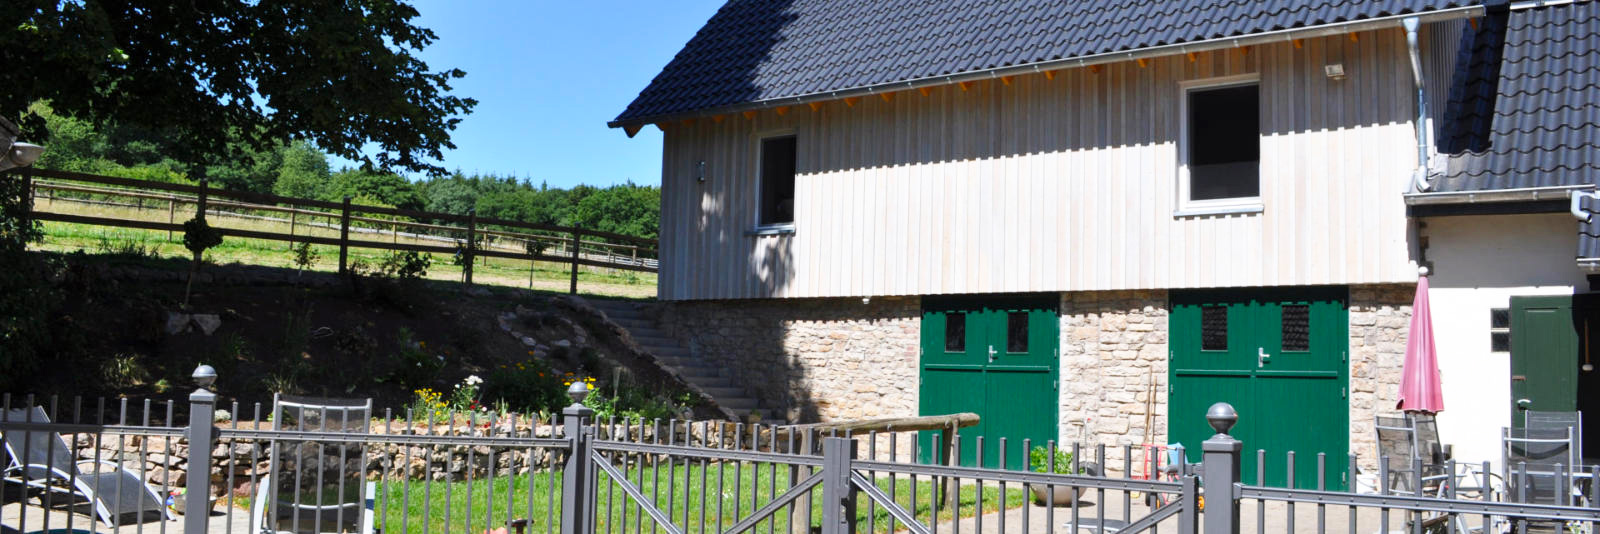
(1214, 328)
(1296, 328)
(1500, 318)
(1223, 156)
(777, 181)
(1500, 330)
(1017, 332)
(955, 332)
(1500, 341)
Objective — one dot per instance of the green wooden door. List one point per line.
(1544, 356)
(994, 356)
(1280, 358)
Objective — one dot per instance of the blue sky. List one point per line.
(548, 75)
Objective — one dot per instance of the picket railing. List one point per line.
(470, 236)
(574, 474)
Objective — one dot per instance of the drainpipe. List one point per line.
(1420, 179)
(1577, 204)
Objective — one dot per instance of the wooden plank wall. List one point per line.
(1054, 185)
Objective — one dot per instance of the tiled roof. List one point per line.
(1524, 109)
(760, 50)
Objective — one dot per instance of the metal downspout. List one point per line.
(1419, 181)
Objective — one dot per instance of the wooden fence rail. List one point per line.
(636, 253)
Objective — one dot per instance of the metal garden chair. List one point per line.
(42, 461)
(316, 485)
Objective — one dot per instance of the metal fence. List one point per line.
(331, 466)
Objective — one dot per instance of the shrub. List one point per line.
(408, 265)
(413, 365)
(305, 257)
(528, 387)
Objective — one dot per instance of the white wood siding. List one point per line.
(1055, 185)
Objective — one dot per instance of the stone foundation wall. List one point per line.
(1380, 315)
(1113, 345)
(810, 360)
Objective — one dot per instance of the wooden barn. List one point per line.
(1089, 220)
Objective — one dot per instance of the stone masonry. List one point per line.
(1380, 315)
(1113, 344)
(811, 360)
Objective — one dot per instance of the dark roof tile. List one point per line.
(754, 50)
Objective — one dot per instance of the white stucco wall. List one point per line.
(1480, 262)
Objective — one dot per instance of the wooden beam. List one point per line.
(1049, 75)
(924, 90)
(687, 122)
(887, 97)
(661, 126)
(781, 110)
(1095, 69)
(750, 115)
(897, 424)
(718, 118)
(1005, 80)
(1143, 62)
(1299, 43)
(1354, 38)
(1474, 23)
(1244, 50)
(964, 85)
(1193, 56)
(631, 129)
(815, 106)
(851, 101)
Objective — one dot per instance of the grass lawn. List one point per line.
(548, 276)
(476, 506)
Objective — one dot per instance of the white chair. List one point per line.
(310, 486)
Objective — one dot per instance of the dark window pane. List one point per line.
(777, 180)
(1214, 328)
(1297, 328)
(1499, 318)
(1224, 143)
(1500, 341)
(1017, 332)
(955, 332)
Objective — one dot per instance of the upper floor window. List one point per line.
(1221, 167)
(777, 162)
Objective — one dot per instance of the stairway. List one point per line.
(711, 379)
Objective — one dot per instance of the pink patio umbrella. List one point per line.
(1419, 378)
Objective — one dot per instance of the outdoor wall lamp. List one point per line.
(700, 171)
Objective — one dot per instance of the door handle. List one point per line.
(1262, 357)
(1523, 404)
(992, 353)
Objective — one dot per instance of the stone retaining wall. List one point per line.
(809, 360)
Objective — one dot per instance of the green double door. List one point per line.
(994, 356)
(1280, 358)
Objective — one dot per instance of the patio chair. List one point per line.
(1530, 457)
(315, 486)
(41, 461)
(1404, 440)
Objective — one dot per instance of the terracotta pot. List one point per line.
(1064, 496)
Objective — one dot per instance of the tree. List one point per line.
(380, 187)
(342, 75)
(303, 172)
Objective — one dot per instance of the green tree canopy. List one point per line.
(222, 80)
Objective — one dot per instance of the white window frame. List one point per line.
(758, 139)
(1218, 206)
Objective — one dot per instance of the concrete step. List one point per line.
(737, 403)
(725, 392)
(649, 332)
(651, 341)
(632, 323)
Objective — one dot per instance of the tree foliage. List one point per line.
(222, 80)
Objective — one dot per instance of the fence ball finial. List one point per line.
(204, 375)
(1222, 417)
(578, 391)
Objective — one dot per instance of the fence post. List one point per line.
(576, 236)
(344, 234)
(1221, 471)
(200, 201)
(202, 409)
(172, 212)
(472, 244)
(838, 496)
(1189, 518)
(575, 504)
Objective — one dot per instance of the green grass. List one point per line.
(477, 506)
(549, 276)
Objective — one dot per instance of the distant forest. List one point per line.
(299, 169)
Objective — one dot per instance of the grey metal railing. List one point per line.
(571, 473)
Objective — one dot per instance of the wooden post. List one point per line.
(394, 228)
(291, 227)
(344, 234)
(172, 210)
(951, 491)
(200, 203)
(576, 235)
(472, 244)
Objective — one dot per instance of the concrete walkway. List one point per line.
(1276, 519)
(15, 518)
